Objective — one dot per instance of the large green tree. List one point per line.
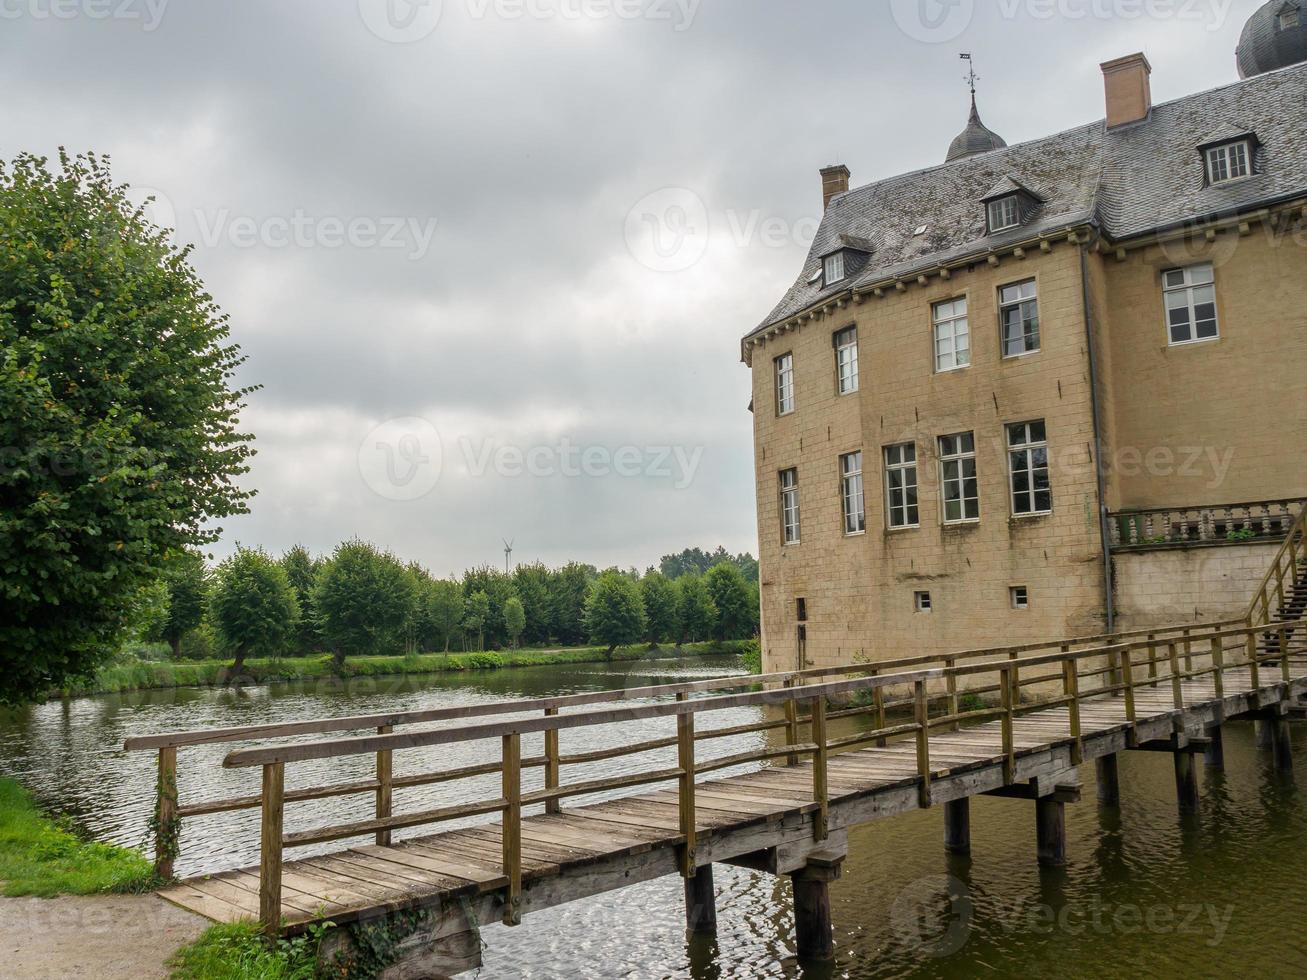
(302, 572)
(532, 585)
(254, 609)
(568, 588)
(117, 416)
(444, 601)
(730, 594)
(187, 580)
(614, 613)
(514, 620)
(476, 613)
(698, 614)
(660, 607)
(364, 601)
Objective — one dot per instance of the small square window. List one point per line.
(834, 268)
(1004, 213)
(1290, 18)
(922, 602)
(1020, 597)
(1229, 162)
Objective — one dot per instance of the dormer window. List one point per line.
(833, 268)
(1004, 214)
(1230, 161)
(1290, 17)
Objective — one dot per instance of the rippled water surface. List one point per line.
(1146, 894)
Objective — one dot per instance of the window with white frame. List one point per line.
(952, 335)
(957, 472)
(1228, 162)
(1027, 444)
(1018, 311)
(1190, 296)
(833, 268)
(785, 384)
(1290, 17)
(855, 505)
(790, 506)
(1020, 597)
(901, 486)
(1004, 213)
(922, 602)
(846, 360)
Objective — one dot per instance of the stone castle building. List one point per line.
(1052, 389)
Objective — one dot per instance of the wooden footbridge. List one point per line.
(934, 731)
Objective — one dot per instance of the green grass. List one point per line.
(238, 952)
(43, 857)
(147, 675)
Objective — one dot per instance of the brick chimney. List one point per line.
(834, 180)
(1129, 89)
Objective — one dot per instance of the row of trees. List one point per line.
(362, 600)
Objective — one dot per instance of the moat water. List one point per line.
(1146, 893)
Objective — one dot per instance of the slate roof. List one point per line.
(1263, 46)
(1129, 181)
(976, 138)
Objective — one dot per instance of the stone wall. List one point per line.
(1172, 586)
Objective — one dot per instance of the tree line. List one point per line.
(362, 600)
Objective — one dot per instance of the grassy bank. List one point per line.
(148, 675)
(43, 857)
(239, 952)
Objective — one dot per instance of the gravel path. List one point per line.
(102, 937)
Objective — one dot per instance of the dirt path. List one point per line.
(102, 937)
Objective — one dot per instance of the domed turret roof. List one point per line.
(976, 138)
(1274, 37)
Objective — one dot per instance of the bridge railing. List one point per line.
(1261, 520)
(1283, 575)
(1064, 678)
(171, 811)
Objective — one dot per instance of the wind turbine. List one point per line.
(508, 556)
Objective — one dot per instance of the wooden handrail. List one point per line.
(1292, 549)
(1074, 666)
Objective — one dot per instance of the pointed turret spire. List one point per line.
(976, 138)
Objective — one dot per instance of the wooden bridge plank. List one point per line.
(414, 853)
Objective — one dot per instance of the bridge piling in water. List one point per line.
(814, 932)
(701, 903)
(957, 826)
(1050, 831)
(1214, 754)
(1186, 782)
(1108, 780)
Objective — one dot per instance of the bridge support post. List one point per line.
(957, 826)
(1214, 754)
(701, 903)
(1108, 780)
(1264, 734)
(813, 932)
(1281, 748)
(1050, 832)
(1186, 782)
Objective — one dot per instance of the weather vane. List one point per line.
(971, 77)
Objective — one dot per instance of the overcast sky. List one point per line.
(491, 259)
